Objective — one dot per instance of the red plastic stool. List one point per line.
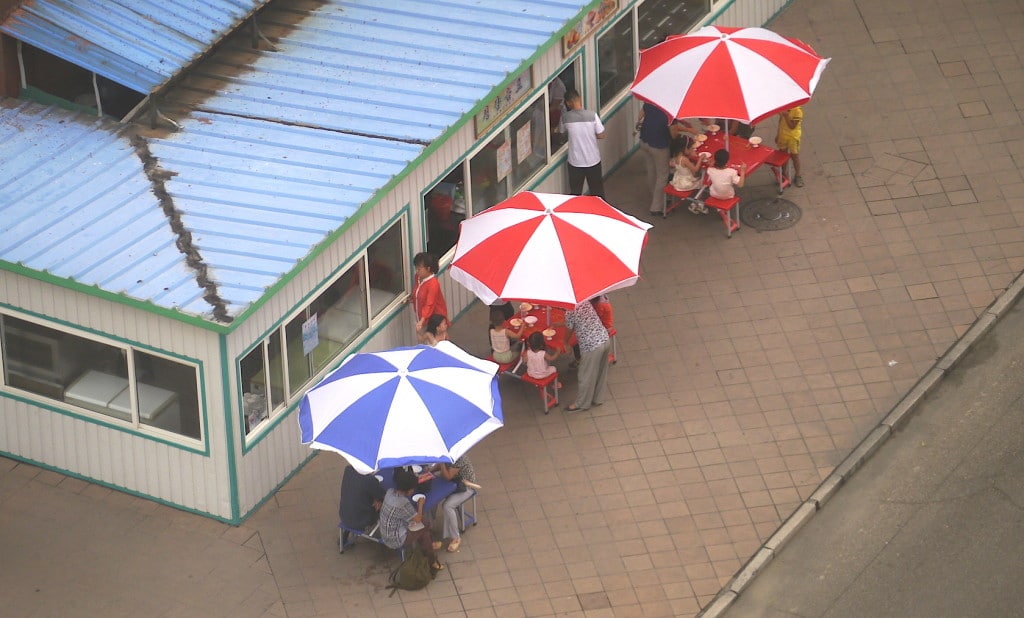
(549, 400)
(508, 369)
(724, 208)
(777, 162)
(674, 198)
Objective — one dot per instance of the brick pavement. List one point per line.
(749, 368)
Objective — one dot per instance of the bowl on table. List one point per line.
(755, 141)
(530, 320)
(701, 137)
(515, 322)
(418, 497)
(524, 307)
(714, 128)
(548, 333)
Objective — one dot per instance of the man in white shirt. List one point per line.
(584, 128)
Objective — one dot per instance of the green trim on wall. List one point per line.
(139, 494)
(229, 433)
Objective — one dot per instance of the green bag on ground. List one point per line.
(414, 572)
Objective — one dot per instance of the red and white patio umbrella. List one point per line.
(745, 74)
(551, 249)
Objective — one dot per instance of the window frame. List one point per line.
(128, 349)
(292, 394)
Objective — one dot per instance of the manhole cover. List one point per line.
(768, 214)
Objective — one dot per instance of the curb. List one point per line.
(896, 417)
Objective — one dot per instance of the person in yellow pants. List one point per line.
(788, 138)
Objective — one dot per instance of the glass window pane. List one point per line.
(299, 368)
(529, 137)
(341, 316)
(167, 395)
(488, 179)
(254, 388)
(445, 205)
(657, 19)
(65, 367)
(385, 266)
(277, 391)
(615, 60)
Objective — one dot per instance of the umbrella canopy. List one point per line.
(553, 249)
(744, 74)
(403, 406)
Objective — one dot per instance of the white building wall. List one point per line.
(62, 437)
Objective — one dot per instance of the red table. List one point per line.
(740, 150)
(546, 318)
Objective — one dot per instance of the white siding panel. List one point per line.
(110, 455)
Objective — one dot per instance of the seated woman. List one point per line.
(724, 178)
(461, 470)
(401, 523)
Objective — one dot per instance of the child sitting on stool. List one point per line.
(538, 357)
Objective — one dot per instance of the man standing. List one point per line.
(655, 139)
(584, 128)
(594, 347)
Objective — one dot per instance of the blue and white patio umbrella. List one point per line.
(404, 406)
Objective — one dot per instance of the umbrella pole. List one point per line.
(726, 134)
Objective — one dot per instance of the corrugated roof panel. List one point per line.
(404, 71)
(276, 149)
(137, 43)
(289, 186)
(80, 206)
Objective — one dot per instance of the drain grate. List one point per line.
(769, 214)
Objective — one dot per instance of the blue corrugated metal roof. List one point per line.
(404, 69)
(137, 43)
(75, 203)
(276, 150)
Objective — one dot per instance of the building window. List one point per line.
(324, 330)
(615, 60)
(503, 166)
(120, 383)
(657, 19)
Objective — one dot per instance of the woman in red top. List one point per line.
(427, 298)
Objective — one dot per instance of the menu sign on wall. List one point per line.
(590, 22)
(500, 105)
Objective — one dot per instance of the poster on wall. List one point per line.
(504, 155)
(524, 142)
(586, 26)
(310, 335)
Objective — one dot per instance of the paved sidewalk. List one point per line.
(749, 369)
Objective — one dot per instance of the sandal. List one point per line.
(573, 408)
(437, 545)
(437, 566)
(454, 545)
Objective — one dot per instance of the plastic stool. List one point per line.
(724, 208)
(777, 162)
(549, 400)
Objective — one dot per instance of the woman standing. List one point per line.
(426, 296)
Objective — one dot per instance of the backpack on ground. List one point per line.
(414, 573)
